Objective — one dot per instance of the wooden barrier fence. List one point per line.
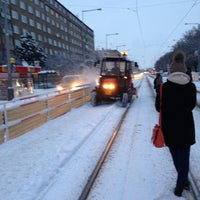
(19, 118)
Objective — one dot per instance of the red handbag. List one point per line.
(157, 137)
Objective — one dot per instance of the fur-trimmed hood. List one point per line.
(179, 78)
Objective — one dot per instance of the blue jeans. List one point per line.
(181, 156)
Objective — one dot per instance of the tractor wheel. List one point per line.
(93, 98)
(130, 96)
(125, 99)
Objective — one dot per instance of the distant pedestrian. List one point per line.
(157, 81)
(178, 101)
(189, 72)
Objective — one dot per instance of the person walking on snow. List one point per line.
(178, 101)
(157, 81)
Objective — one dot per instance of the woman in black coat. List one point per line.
(178, 101)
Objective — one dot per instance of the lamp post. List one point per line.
(107, 35)
(120, 46)
(84, 33)
(83, 11)
(198, 50)
(7, 39)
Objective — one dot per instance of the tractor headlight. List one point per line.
(109, 86)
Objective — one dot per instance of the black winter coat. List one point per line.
(178, 101)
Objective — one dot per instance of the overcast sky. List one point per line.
(146, 28)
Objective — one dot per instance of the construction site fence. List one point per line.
(18, 117)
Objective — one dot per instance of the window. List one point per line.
(57, 24)
(39, 37)
(49, 30)
(24, 19)
(39, 26)
(37, 13)
(33, 35)
(15, 15)
(30, 9)
(16, 29)
(24, 31)
(36, 2)
(47, 8)
(14, 2)
(44, 39)
(31, 22)
(48, 19)
(55, 43)
(41, 4)
(52, 12)
(43, 16)
(50, 51)
(17, 43)
(22, 5)
(44, 28)
(49, 40)
(53, 22)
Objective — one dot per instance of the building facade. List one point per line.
(58, 31)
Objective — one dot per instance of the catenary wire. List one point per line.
(180, 22)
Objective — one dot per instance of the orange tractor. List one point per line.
(115, 81)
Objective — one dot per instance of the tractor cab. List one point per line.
(115, 81)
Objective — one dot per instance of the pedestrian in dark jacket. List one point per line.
(178, 101)
(157, 81)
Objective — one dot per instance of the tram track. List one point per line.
(192, 195)
(96, 170)
(94, 174)
(92, 137)
(194, 187)
(84, 144)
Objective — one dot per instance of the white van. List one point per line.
(71, 82)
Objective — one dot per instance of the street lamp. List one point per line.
(84, 41)
(107, 35)
(83, 11)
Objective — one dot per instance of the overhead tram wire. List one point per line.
(133, 8)
(164, 4)
(180, 22)
(140, 26)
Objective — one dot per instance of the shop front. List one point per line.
(22, 82)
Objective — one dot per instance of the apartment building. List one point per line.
(58, 31)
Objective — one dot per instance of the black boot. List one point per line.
(178, 190)
(187, 186)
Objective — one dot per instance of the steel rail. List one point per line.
(194, 188)
(86, 190)
(99, 165)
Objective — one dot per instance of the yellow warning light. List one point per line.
(124, 53)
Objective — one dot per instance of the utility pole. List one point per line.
(7, 39)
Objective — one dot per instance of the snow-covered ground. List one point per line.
(48, 163)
